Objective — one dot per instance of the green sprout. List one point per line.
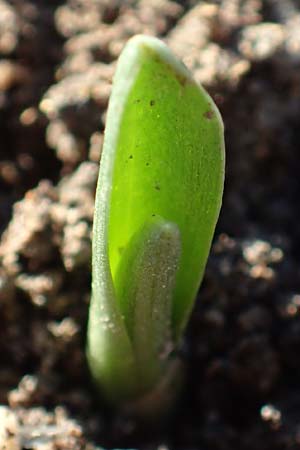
(157, 203)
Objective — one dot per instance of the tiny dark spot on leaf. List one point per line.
(153, 215)
(157, 187)
(209, 114)
(152, 102)
(130, 156)
(147, 164)
(182, 79)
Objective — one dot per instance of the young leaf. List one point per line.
(158, 199)
(145, 284)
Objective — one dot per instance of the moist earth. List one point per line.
(242, 388)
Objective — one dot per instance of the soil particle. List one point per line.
(261, 41)
(73, 215)
(9, 430)
(10, 74)
(208, 57)
(28, 235)
(8, 27)
(39, 430)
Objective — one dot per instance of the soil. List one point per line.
(242, 346)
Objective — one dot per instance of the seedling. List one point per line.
(158, 199)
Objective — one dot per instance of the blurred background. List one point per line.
(57, 60)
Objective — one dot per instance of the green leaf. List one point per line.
(145, 285)
(158, 199)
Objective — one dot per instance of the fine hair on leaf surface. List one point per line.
(158, 199)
